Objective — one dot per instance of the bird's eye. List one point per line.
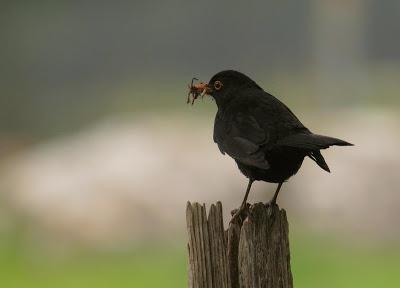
(218, 85)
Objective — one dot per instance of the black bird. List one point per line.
(264, 137)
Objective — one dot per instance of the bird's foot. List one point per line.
(238, 215)
(271, 207)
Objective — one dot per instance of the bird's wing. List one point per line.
(241, 137)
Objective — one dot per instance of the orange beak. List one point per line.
(196, 90)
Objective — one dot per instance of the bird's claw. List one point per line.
(238, 215)
(271, 207)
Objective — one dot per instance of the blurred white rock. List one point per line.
(125, 180)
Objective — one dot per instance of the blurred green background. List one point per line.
(99, 151)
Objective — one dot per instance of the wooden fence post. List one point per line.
(251, 254)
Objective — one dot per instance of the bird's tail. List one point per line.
(319, 159)
(325, 141)
(311, 142)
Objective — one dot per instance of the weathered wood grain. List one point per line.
(253, 254)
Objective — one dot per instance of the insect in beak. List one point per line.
(196, 90)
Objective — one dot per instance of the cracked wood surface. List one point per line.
(253, 253)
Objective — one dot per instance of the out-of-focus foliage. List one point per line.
(63, 63)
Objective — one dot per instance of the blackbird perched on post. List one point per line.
(267, 141)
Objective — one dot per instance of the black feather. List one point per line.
(264, 137)
(319, 159)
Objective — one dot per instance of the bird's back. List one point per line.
(268, 113)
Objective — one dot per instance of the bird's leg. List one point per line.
(273, 201)
(270, 205)
(243, 207)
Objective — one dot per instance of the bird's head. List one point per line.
(222, 86)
